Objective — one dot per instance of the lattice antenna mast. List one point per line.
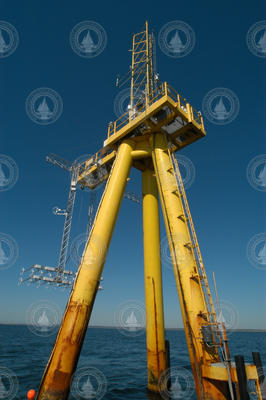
(68, 212)
(59, 276)
(142, 76)
(43, 274)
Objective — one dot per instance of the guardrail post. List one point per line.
(189, 112)
(165, 87)
(178, 100)
(201, 122)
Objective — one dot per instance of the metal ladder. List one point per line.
(195, 245)
(219, 332)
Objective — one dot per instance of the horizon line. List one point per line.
(118, 327)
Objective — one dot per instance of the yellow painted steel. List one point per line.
(156, 356)
(192, 303)
(148, 118)
(140, 154)
(166, 97)
(218, 371)
(210, 375)
(61, 366)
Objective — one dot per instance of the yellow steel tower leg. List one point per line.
(192, 301)
(61, 366)
(156, 357)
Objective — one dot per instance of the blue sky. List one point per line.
(226, 210)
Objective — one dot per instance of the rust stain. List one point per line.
(67, 348)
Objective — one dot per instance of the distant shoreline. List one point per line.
(167, 329)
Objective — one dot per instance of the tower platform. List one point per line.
(167, 112)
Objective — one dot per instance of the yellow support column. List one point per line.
(156, 357)
(61, 366)
(192, 301)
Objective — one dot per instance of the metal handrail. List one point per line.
(160, 91)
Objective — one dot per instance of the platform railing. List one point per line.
(159, 92)
(196, 116)
(93, 160)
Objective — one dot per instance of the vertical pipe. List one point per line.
(56, 381)
(168, 362)
(167, 351)
(156, 356)
(257, 362)
(183, 262)
(221, 327)
(260, 372)
(242, 378)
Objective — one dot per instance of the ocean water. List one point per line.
(117, 362)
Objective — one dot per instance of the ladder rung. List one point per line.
(182, 217)
(175, 192)
(188, 245)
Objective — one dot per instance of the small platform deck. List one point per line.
(166, 112)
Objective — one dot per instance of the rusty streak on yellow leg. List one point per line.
(192, 302)
(156, 358)
(61, 366)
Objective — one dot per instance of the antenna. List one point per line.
(142, 79)
(142, 72)
(154, 62)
